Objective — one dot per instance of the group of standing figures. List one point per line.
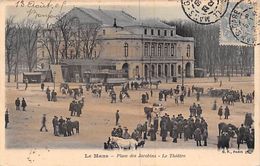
(64, 127)
(75, 107)
(21, 103)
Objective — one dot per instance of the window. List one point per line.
(71, 52)
(172, 49)
(126, 49)
(43, 54)
(146, 49)
(159, 32)
(171, 32)
(152, 50)
(159, 50)
(145, 31)
(165, 32)
(151, 31)
(104, 32)
(188, 50)
(166, 50)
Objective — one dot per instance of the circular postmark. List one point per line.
(204, 11)
(242, 22)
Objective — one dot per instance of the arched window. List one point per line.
(126, 49)
(188, 50)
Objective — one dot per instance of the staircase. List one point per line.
(57, 73)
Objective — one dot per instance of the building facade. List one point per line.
(141, 48)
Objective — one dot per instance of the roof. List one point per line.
(107, 16)
(122, 18)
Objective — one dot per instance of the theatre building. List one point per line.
(140, 48)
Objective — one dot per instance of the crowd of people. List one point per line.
(75, 107)
(62, 127)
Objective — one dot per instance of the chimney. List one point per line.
(114, 23)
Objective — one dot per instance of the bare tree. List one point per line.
(64, 24)
(30, 30)
(17, 45)
(90, 40)
(9, 38)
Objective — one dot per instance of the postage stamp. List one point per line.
(239, 24)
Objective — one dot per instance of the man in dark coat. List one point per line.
(6, 118)
(17, 103)
(205, 136)
(145, 130)
(198, 96)
(220, 112)
(119, 131)
(44, 123)
(24, 104)
(152, 133)
(163, 126)
(174, 133)
(120, 97)
(117, 117)
(155, 123)
(242, 131)
(227, 112)
(48, 93)
(197, 135)
(42, 86)
(199, 110)
(187, 132)
(61, 121)
(55, 123)
(114, 133)
(71, 108)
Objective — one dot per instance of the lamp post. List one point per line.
(182, 69)
(182, 76)
(150, 72)
(54, 74)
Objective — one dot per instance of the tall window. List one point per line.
(172, 49)
(188, 50)
(165, 32)
(145, 31)
(153, 50)
(166, 50)
(151, 31)
(146, 49)
(159, 50)
(159, 32)
(42, 53)
(126, 49)
(171, 32)
(104, 32)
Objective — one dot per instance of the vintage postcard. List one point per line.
(104, 82)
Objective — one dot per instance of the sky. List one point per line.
(164, 11)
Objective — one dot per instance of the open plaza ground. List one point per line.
(98, 115)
